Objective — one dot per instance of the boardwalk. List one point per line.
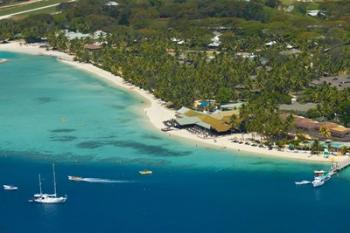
(341, 165)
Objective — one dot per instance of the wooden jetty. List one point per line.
(341, 165)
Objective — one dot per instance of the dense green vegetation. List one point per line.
(140, 47)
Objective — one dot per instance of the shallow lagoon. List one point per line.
(51, 112)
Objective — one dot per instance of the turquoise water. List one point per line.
(51, 112)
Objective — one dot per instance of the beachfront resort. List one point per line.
(306, 136)
(238, 82)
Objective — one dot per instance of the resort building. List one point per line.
(339, 82)
(232, 106)
(315, 13)
(112, 3)
(298, 108)
(218, 122)
(313, 126)
(92, 47)
(71, 35)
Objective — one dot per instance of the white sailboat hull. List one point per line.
(44, 198)
(49, 199)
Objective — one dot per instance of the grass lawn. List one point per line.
(49, 10)
(19, 8)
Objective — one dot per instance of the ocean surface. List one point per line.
(54, 113)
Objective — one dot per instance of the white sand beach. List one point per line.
(157, 112)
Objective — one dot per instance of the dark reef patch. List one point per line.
(90, 144)
(108, 137)
(150, 136)
(124, 120)
(44, 100)
(62, 130)
(63, 138)
(118, 106)
(160, 151)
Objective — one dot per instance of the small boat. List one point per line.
(3, 60)
(166, 129)
(10, 187)
(43, 198)
(302, 182)
(320, 178)
(75, 178)
(317, 182)
(145, 172)
(319, 173)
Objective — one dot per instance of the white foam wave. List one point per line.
(302, 182)
(98, 180)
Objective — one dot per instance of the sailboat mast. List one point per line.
(54, 179)
(40, 184)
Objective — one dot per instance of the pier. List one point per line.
(339, 166)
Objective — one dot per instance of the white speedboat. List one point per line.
(10, 187)
(320, 178)
(145, 172)
(318, 181)
(75, 178)
(3, 60)
(44, 198)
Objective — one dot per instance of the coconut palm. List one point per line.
(325, 132)
(344, 150)
(316, 147)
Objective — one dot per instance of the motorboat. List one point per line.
(145, 172)
(43, 198)
(75, 178)
(320, 178)
(3, 60)
(317, 182)
(10, 187)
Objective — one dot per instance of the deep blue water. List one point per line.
(50, 112)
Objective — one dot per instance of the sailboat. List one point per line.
(44, 198)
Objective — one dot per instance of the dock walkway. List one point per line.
(341, 165)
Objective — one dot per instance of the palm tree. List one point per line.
(316, 147)
(344, 150)
(234, 121)
(325, 132)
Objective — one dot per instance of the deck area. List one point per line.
(341, 165)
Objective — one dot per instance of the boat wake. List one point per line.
(3, 60)
(97, 180)
(303, 182)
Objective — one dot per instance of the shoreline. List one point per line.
(157, 113)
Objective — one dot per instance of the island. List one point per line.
(269, 77)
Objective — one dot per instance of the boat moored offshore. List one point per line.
(10, 187)
(75, 178)
(145, 172)
(44, 198)
(320, 178)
